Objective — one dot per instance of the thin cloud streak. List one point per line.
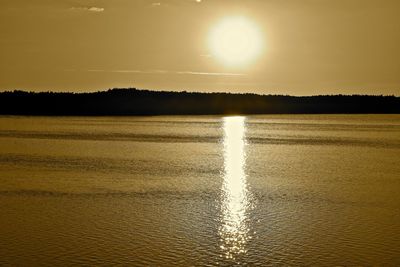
(90, 9)
(169, 72)
(163, 3)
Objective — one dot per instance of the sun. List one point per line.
(235, 41)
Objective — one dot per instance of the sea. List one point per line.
(262, 190)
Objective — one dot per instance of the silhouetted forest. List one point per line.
(146, 102)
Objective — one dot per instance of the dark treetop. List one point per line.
(145, 102)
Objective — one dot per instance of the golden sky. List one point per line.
(307, 47)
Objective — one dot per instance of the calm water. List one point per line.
(155, 191)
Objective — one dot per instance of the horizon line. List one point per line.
(185, 91)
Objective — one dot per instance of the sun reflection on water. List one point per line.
(234, 230)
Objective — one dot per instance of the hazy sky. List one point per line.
(308, 46)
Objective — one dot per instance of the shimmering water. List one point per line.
(317, 190)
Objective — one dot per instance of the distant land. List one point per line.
(131, 101)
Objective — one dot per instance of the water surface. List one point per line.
(257, 190)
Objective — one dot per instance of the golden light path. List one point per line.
(234, 231)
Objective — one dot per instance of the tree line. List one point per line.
(131, 101)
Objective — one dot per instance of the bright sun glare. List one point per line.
(235, 41)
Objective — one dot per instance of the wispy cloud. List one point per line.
(96, 9)
(90, 9)
(166, 72)
(210, 73)
(175, 2)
